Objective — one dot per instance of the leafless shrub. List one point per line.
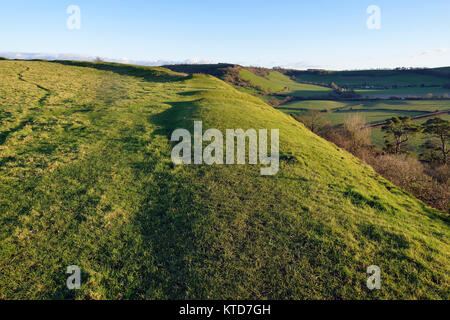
(358, 133)
(423, 180)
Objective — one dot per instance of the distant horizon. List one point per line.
(161, 62)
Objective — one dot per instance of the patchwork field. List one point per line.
(375, 77)
(404, 92)
(415, 106)
(423, 106)
(370, 116)
(337, 112)
(381, 84)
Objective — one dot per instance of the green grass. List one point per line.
(415, 142)
(409, 82)
(372, 77)
(423, 106)
(407, 105)
(408, 91)
(369, 115)
(297, 89)
(277, 82)
(372, 112)
(316, 105)
(86, 179)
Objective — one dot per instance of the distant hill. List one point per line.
(217, 70)
(86, 179)
(277, 86)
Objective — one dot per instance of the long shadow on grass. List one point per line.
(181, 115)
(20, 126)
(167, 221)
(169, 214)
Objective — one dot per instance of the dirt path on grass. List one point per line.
(42, 101)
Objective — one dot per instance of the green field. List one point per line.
(86, 179)
(372, 78)
(315, 105)
(276, 82)
(369, 115)
(423, 106)
(306, 84)
(413, 144)
(372, 112)
(408, 91)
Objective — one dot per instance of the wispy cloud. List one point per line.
(430, 52)
(442, 50)
(301, 65)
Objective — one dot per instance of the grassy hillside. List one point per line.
(86, 179)
(277, 82)
(366, 84)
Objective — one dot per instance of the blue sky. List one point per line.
(302, 34)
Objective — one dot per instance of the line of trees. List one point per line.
(398, 131)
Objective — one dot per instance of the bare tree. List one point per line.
(312, 119)
(398, 131)
(441, 129)
(359, 133)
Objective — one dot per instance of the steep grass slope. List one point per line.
(86, 179)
